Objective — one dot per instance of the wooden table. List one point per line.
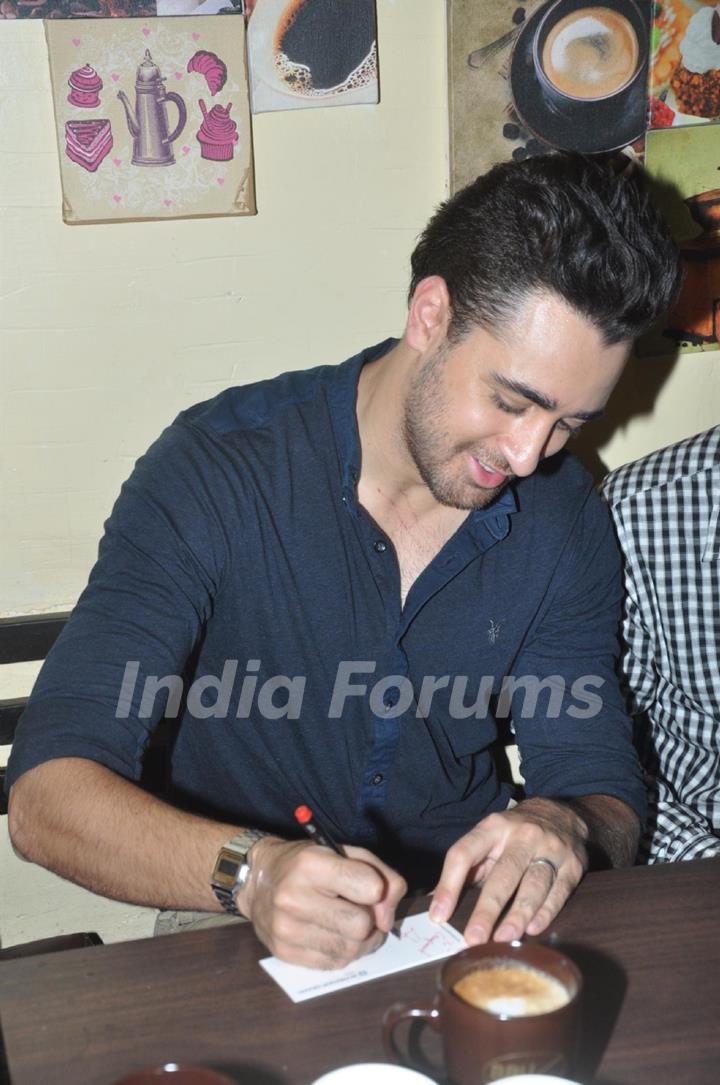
(647, 940)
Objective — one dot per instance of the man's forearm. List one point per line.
(93, 827)
(613, 830)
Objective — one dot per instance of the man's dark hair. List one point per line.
(559, 223)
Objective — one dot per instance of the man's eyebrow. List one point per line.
(532, 394)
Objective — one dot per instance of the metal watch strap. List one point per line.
(232, 869)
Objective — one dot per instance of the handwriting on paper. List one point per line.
(420, 941)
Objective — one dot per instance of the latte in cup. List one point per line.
(507, 989)
(591, 53)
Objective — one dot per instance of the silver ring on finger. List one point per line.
(541, 859)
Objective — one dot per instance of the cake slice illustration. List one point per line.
(85, 86)
(217, 134)
(88, 142)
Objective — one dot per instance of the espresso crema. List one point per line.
(507, 989)
(591, 53)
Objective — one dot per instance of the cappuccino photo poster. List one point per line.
(550, 74)
(310, 53)
(152, 118)
(685, 66)
(685, 163)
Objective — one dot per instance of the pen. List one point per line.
(305, 819)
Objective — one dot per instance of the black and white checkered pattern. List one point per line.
(666, 509)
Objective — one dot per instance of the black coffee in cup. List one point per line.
(590, 53)
(323, 45)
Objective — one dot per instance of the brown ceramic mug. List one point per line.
(523, 1019)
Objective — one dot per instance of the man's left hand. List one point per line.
(533, 855)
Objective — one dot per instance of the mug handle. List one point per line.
(402, 1012)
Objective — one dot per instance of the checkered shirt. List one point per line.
(666, 509)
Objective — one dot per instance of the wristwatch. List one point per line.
(232, 868)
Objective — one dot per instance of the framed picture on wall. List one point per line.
(550, 74)
(152, 118)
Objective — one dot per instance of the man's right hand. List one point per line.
(315, 908)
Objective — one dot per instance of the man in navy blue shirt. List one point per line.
(338, 580)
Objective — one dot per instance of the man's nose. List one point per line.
(525, 444)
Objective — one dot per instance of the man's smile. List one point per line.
(485, 475)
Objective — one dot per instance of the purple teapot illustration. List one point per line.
(148, 124)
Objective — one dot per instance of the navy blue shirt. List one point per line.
(237, 553)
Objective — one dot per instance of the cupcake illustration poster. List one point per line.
(152, 118)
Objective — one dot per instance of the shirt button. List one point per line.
(390, 703)
(380, 546)
(378, 778)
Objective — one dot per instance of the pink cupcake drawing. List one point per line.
(85, 86)
(217, 134)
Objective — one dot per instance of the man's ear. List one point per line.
(429, 314)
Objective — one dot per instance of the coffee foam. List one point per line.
(590, 53)
(509, 989)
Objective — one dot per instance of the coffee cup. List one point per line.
(587, 55)
(501, 1009)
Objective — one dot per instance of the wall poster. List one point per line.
(306, 53)
(552, 74)
(152, 118)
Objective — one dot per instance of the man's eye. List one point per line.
(507, 407)
(572, 430)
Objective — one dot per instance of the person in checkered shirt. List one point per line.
(666, 509)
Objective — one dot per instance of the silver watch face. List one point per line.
(227, 867)
(231, 869)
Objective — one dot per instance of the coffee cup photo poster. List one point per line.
(152, 118)
(550, 74)
(310, 53)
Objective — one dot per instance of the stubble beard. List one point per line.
(427, 440)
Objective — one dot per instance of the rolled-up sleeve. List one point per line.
(574, 734)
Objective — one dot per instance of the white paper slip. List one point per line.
(420, 941)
